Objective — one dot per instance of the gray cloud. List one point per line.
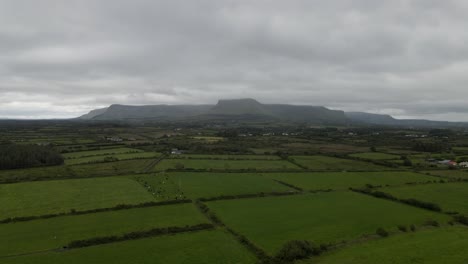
(64, 58)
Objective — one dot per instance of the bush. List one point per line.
(381, 232)
(297, 249)
(461, 219)
(402, 228)
(432, 223)
(412, 228)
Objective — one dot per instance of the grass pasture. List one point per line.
(52, 233)
(101, 152)
(344, 180)
(433, 246)
(225, 165)
(269, 222)
(324, 163)
(204, 184)
(203, 247)
(226, 157)
(451, 197)
(456, 174)
(375, 156)
(111, 168)
(76, 171)
(47, 197)
(32, 174)
(121, 156)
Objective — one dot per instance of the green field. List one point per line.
(121, 156)
(203, 247)
(327, 217)
(375, 156)
(225, 157)
(451, 197)
(323, 163)
(433, 246)
(46, 197)
(225, 164)
(457, 174)
(204, 184)
(52, 233)
(111, 168)
(36, 173)
(101, 152)
(344, 180)
(76, 171)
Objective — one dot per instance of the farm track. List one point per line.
(154, 163)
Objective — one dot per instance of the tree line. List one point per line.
(14, 156)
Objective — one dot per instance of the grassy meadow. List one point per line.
(322, 218)
(456, 174)
(204, 247)
(324, 163)
(53, 233)
(203, 184)
(375, 156)
(345, 180)
(451, 197)
(225, 165)
(225, 157)
(432, 246)
(112, 157)
(49, 197)
(100, 152)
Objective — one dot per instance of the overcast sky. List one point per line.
(63, 58)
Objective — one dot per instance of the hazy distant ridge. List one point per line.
(224, 109)
(250, 109)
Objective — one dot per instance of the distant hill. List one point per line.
(224, 109)
(119, 112)
(92, 114)
(372, 118)
(387, 120)
(251, 110)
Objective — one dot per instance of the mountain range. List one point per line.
(250, 109)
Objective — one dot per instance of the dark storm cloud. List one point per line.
(63, 58)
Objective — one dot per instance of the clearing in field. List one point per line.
(375, 156)
(205, 184)
(204, 247)
(53, 233)
(49, 197)
(344, 180)
(323, 163)
(225, 165)
(451, 197)
(322, 218)
(433, 246)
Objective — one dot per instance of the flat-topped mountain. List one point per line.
(224, 109)
(251, 109)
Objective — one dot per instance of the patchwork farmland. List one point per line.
(145, 199)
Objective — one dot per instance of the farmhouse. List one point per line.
(448, 162)
(176, 151)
